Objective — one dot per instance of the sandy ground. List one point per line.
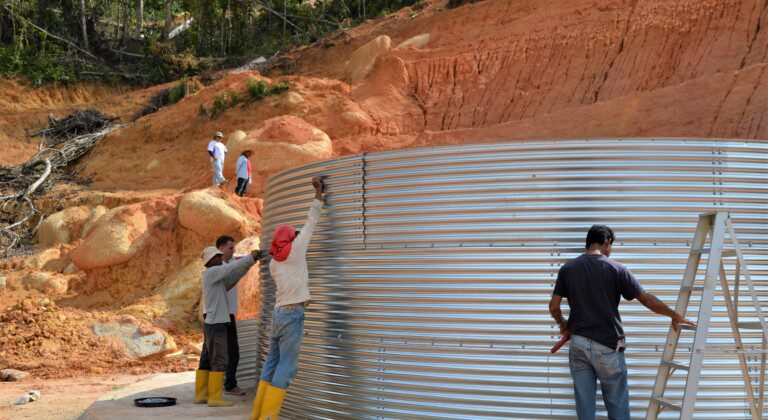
(61, 398)
(111, 397)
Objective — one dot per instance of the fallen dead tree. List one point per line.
(73, 125)
(19, 218)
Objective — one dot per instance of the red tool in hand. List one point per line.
(566, 337)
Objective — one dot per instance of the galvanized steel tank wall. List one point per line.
(431, 270)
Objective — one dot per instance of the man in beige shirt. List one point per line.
(289, 271)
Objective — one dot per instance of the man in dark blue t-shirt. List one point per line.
(594, 285)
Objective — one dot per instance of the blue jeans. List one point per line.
(590, 361)
(284, 345)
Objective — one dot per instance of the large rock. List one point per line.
(233, 138)
(45, 283)
(96, 216)
(56, 228)
(67, 225)
(138, 342)
(295, 104)
(208, 216)
(356, 121)
(50, 259)
(235, 147)
(362, 60)
(181, 290)
(279, 156)
(417, 41)
(293, 99)
(12, 375)
(283, 142)
(248, 287)
(286, 129)
(114, 239)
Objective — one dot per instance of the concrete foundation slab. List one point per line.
(118, 404)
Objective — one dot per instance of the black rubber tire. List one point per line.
(154, 402)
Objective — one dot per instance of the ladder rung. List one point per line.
(750, 325)
(686, 327)
(692, 289)
(726, 253)
(676, 365)
(667, 403)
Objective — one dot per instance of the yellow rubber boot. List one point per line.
(273, 400)
(215, 386)
(201, 386)
(259, 400)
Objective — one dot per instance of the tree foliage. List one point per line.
(45, 41)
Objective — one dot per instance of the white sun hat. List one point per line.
(209, 253)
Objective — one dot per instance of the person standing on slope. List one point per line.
(243, 167)
(289, 271)
(217, 152)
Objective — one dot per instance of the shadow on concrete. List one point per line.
(118, 404)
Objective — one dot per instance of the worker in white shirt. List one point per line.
(217, 151)
(243, 167)
(216, 280)
(288, 269)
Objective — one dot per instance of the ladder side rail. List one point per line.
(705, 315)
(683, 297)
(737, 287)
(747, 278)
(741, 265)
(739, 344)
(761, 389)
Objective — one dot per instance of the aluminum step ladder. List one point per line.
(714, 226)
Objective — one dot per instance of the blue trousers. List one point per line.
(284, 346)
(590, 361)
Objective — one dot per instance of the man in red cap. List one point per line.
(289, 271)
(243, 168)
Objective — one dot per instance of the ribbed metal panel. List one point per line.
(431, 270)
(247, 340)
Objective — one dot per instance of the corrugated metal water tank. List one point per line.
(431, 270)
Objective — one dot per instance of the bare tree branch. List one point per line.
(33, 187)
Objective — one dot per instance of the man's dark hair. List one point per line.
(223, 240)
(598, 234)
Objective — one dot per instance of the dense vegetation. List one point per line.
(152, 41)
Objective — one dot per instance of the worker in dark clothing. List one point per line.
(594, 285)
